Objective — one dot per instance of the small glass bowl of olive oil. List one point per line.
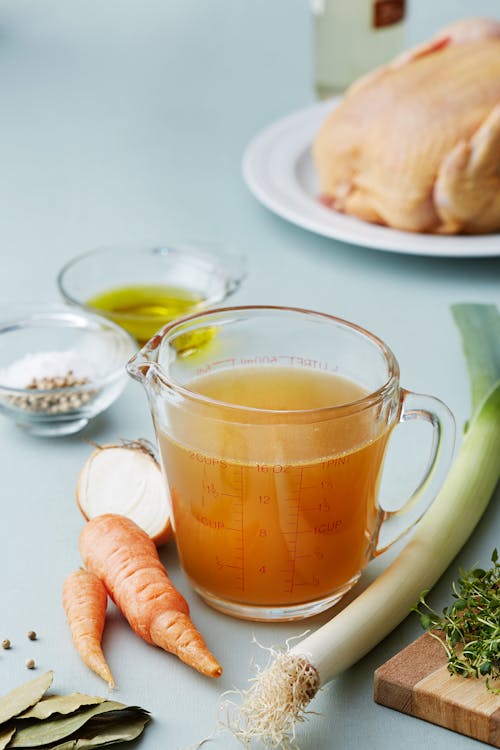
(143, 287)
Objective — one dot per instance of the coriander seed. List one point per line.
(56, 402)
(31, 635)
(30, 663)
(6, 643)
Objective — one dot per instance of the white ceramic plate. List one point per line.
(278, 169)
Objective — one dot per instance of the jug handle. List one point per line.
(418, 406)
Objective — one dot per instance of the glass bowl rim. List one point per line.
(22, 316)
(230, 264)
(148, 353)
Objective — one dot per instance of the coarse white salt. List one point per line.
(50, 364)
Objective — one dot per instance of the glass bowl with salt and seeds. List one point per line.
(59, 367)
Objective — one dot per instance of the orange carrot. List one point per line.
(84, 601)
(122, 555)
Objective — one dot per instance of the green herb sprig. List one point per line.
(469, 628)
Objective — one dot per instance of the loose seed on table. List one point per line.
(30, 664)
(6, 643)
(31, 635)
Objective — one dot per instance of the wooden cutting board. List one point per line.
(417, 682)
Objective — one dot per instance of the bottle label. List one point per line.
(388, 12)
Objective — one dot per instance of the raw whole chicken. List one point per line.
(415, 144)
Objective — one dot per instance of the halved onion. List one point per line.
(126, 479)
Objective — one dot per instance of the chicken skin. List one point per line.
(415, 145)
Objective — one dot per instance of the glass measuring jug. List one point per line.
(272, 425)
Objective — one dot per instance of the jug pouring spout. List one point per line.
(143, 366)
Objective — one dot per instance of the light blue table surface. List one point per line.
(124, 121)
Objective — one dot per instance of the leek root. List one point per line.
(281, 693)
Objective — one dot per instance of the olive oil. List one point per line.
(143, 309)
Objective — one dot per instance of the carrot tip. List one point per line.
(208, 666)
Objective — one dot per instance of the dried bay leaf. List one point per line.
(60, 704)
(124, 730)
(24, 696)
(76, 721)
(52, 730)
(6, 735)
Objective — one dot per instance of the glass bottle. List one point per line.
(351, 37)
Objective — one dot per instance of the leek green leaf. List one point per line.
(479, 327)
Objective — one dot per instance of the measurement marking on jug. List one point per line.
(221, 564)
(211, 523)
(298, 533)
(315, 364)
(237, 527)
(295, 532)
(314, 581)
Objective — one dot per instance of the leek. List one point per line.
(279, 696)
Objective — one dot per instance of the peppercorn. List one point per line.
(30, 664)
(6, 643)
(31, 635)
(57, 402)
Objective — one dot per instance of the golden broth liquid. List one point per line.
(143, 309)
(274, 514)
